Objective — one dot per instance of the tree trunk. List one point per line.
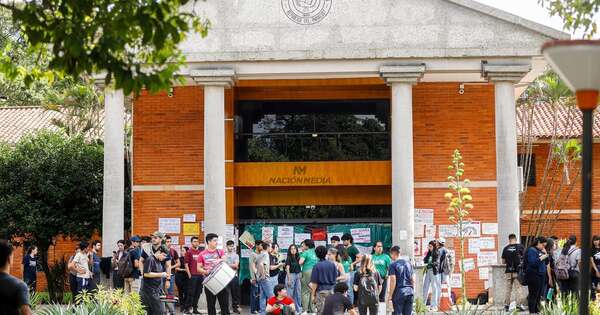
(43, 255)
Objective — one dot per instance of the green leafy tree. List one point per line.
(50, 187)
(576, 14)
(134, 44)
(460, 204)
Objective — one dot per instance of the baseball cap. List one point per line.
(158, 234)
(442, 240)
(135, 239)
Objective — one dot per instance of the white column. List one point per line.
(113, 224)
(507, 190)
(214, 81)
(401, 79)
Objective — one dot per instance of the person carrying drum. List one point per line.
(208, 259)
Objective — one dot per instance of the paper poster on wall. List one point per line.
(189, 217)
(424, 216)
(473, 245)
(285, 231)
(403, 235)
(330, 235)
(484, 273)
(267, 234)
(455, 280)
(187, 240)
(487, 258)
(419, 230)
(364, 249)
(487, 243)
(424, 247)
(430, 232)
(361, 235)
(468, 263)
(471, 229)
(174, 240)
(320, 243)
(489, 228)
(169, 225)
(448, 230)
(246, 252)
(300, 237)
(191, 228)
(247, 239)
(319, 234)
(230, 233)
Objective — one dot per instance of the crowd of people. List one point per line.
(307, 279)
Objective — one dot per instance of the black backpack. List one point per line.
(367, 289)
(125, 265)
(522, 269)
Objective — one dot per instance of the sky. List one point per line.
(531, 10)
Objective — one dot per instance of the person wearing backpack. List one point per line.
(431, 279)
(567, 266)
(368, 283)
(511, 257)
(446, 264)
(118, 281)
(133, 280)
(535, 259)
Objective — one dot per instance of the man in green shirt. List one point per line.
(308, 259)
(349, 244)
(382, 263)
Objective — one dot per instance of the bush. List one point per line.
(103, 302)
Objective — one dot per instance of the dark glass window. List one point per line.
(525, 161)
(269, 131)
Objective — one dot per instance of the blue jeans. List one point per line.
(402, 304)
(266, 291)
(294, 291)
(254, 294)
(171, 289)
(350, 283)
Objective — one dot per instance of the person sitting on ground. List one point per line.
(14, 294)
(338, 303)
(280, 303)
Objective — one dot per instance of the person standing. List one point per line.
(595, 262)
(323, 279)
(174, 263)
(572, 254)
(431, 276)
(154, 275)
(118, 281)
(95, 259)
(332, 256)
(134, 282)
(368, 283)
(293, 271)
(338, 303)
(30, 267)
(445, 263)
(275, 264)
(208, 259)
(344, 259)
(382, 262)
(73, 273)
(14, 295)
(353, 253)
(401, 283)
(81, 263)
(181, 279)
(535, 257)
(233, 261)
(261, 267)
(195, 277)
(308, 260)
(254, 291)
(511, 257)
(334, 241)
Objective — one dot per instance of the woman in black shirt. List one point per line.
(181, 278)
(30, 268)
(293, 270)
(595, 265)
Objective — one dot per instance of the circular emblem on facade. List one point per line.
(306, 12)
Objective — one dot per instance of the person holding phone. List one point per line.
(280, 303)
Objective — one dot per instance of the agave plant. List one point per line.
(101, 302)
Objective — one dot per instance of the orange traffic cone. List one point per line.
(445, 303)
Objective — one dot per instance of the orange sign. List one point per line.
(298, 174)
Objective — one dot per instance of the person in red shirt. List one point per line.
(281, 303)
(207, 261)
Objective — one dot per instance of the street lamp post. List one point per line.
(577, 62)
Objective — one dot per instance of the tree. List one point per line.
(134, 44)
(576, 14)
(458, 209)
(50, 187)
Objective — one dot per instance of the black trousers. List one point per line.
(211, 300)
(370, 309)
(535, 286)
(194, 291)
(73, 286)
(181, 281)
(383, 289)
(118, 281)
(234, 288)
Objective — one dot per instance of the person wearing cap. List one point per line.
(133, 283)
(444, 263)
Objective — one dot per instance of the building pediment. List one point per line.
(248, 30)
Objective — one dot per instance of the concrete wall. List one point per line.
(260, 30)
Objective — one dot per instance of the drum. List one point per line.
(219, 278)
